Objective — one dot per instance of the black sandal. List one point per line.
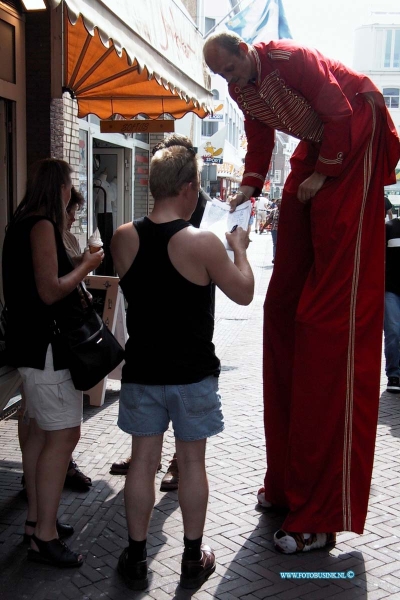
(78, 481)
(54, 552)
(63, 530)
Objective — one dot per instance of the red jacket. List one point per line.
(302, 93)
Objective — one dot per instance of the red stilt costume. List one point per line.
(324, 307)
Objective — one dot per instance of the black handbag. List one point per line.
(91, 349)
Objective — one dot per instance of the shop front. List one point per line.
(122, 60)
(65, 68)
(229, 176)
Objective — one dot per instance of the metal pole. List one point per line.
(222, 20)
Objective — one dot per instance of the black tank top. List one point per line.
(30, 322)
(170, 320)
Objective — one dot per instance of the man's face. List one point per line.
(234, 69)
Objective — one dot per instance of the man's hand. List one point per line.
(239, 198)
(238, 240)
(310, 187)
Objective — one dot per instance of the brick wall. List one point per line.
(141, 188)
(52, 127)
(71, 135)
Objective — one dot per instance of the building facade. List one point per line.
(223, 173)
(377, 54)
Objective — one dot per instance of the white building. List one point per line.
(225, 176)
(377, 54)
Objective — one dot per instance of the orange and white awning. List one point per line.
(131, 57)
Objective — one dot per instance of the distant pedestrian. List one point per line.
(262, 204)
(392, 306)
(273, 219)
(388, 208)
(252, 213)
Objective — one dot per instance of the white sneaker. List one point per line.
(261, 499)
(290, 542)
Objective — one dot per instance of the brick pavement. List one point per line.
(248, 567)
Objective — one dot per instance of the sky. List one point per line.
(329, 25)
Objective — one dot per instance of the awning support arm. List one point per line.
(94, 67)
(108, 79)
(80, 60)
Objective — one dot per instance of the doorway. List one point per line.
(108, 198)
(6, 170)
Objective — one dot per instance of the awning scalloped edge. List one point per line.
(107, 42)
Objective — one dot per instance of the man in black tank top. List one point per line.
(167, 268)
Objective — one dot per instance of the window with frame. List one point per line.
(209, 23)
(208, 128)
(391, 97)
(392, 49)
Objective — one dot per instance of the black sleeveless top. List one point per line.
(29, 328)
(170, 320)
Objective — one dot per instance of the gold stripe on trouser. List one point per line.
(348, 432)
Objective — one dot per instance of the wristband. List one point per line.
(243, 194)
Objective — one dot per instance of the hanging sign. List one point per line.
(137, 126)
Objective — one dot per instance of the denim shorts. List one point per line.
(194, 409)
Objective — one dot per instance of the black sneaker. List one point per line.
(393, 385)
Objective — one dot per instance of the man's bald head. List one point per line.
(227, 55)
(225, 40)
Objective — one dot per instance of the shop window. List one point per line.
(80, 227)
(391, 96)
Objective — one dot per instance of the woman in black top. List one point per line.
(40, 285)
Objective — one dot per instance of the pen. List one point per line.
(234, 229)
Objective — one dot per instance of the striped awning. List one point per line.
(131, 57)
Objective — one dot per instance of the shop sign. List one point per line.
(212, 151)
(137, 126)
(211, 160)
(218, 112)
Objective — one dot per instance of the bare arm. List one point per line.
(235, 279)
(124, 247)
(52, 288)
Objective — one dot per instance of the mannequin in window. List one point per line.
(104, 215)
(113, 193)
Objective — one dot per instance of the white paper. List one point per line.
(219, 220)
